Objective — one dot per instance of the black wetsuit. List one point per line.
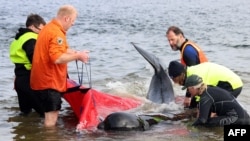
(221, 102)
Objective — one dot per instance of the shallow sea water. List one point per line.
(106, 28)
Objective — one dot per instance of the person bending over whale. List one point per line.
(212, 74)
(217, 100)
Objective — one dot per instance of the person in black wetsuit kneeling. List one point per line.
(217, 107)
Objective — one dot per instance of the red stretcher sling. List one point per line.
(90, 106)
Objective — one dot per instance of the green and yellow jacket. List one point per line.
(21, 50)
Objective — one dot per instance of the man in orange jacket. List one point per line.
(49, 66)
(191, 53)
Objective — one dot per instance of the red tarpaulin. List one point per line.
(91, 105)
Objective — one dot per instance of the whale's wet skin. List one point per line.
(160, 89)
(122, 121)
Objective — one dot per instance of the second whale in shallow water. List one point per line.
(161, 88)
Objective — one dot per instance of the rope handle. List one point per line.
(87, 67)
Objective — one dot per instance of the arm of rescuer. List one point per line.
(72, 55)
(187, 99)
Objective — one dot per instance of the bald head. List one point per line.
(66, 10)
(66, 16)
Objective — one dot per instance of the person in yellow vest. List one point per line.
(21, 54)
(191, 53)
(212, 74)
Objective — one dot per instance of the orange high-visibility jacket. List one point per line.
(50, 45)
(201, 54)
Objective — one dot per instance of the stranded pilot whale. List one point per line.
(161, 88)
(160, 91)
(122, 121)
